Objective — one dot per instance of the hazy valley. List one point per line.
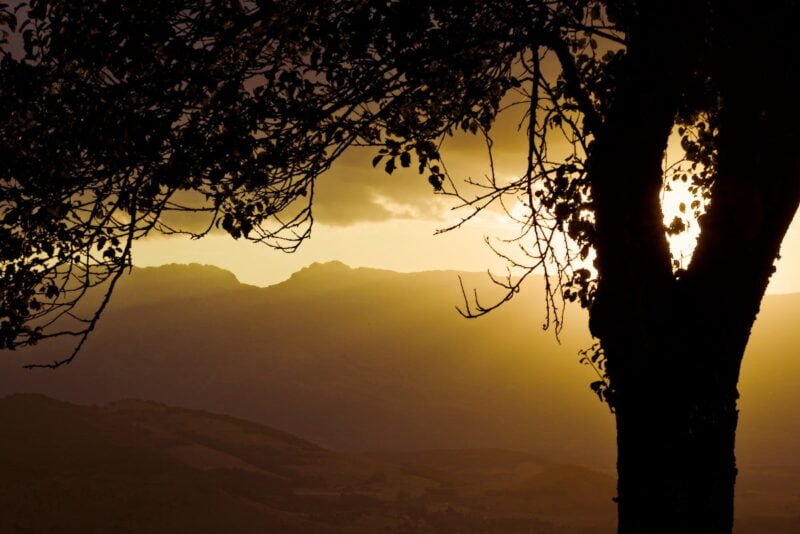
(136, 466)
(354, 361)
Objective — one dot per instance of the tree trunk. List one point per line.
(675, 367)
(675, 438)
(674, 344)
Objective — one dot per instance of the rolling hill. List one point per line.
(362, 359)
(352, 359)
(141, 467)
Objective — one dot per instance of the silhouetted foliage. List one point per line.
(114, 114)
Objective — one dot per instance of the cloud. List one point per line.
(353, 192)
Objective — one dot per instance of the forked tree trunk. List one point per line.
(674, 347)
(674, 344)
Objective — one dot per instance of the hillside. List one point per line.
(362, 359)
(145, 468)
(142, 467)
(353, 359)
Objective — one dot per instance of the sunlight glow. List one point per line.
(681, 245)
(677, 201)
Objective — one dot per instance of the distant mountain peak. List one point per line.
(173, 282)
(326, 266)
(194, 270)
(322, 270)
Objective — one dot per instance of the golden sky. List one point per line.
(366, 218)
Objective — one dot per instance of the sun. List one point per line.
(676, 203)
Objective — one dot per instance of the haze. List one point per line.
(377, 367)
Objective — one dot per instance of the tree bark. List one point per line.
(674, 345)
(675, 434)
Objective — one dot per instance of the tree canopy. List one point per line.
(114, 116)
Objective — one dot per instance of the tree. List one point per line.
(113, 116)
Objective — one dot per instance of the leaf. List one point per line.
(227, 223)
(677, 226)
(27, 42)
(376, 160)
(599, 387)
(51, 291)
